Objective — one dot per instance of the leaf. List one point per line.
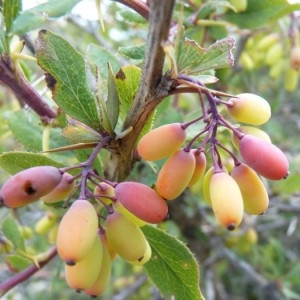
(11, 230)
(172, 267)
(80, 133)
(67, 78)
(192, 59)
(17, 262)
(127, 80)
(133, 52)
(11, 10)
(35, 17)
(13, 162)
(113, 101)
(101, 57)
(259, 13)
(28, 131)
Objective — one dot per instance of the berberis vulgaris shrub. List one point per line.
(108, 132)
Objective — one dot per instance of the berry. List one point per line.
(161, 141)
(200, 166)
(84, 274)
(142, 201)
(249, 108)
(264, 157)
(255, 196)
(175, 174)
(29, 185)
(226, 200)
(125, 237)
(104, 275)
(62, 190)
(77, 231)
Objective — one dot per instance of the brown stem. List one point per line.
(25, 274)
(22, 89)
(138, 6)
(153, 87)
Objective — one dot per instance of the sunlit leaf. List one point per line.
(172, 267)
(66, 77)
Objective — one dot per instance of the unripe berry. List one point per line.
(255, 196)
(126, 238)
(249, 108)
(29, 185)
(175, 174)
(263, 157)
(44, 224)
(104, 275)
(161, 141)
(77, 231)
(145, 259)
(239, 5)
(142, 201)
(226, 199)
(62, 190)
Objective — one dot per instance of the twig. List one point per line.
(151, 89)
(138, 6)
(26, 274)
(22, 89)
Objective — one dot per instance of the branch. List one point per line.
(138, 6)
(22, 89)
(26, 274)
(151, 90)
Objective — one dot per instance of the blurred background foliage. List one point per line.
(250, 263)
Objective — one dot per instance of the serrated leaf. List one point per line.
(11, 230)
(17, 262)
(101, 57)
(259, 13)
(193, 59)
(35, 17)
(133, 52)
(127, 80)
(113, 101)
(11, 10)
(67, 79)
(13, 162)
(172, 267)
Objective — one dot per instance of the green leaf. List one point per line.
(35, 17)
(259, 13)
(13, 162)
(11, 230)
(172, 267)
(18, 262)
(101, 57)
(11, 10)
(26, 128)
(133, 52)
(80, 133)
(192, 59)
(67, 78)
(113, 101)
(127, 80)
